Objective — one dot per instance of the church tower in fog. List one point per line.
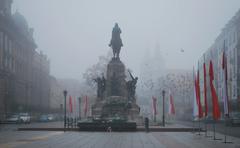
(5, 7)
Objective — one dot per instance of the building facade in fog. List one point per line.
(229, 39)
(24, 73)
(56, 95)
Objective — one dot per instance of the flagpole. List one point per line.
(205, 96)
(199, 101)
(216, 111)
(163, 117)
(205, 114)
(193, 122)
(214, 131)
(199, 130)
(214, 135)
(205, 119)
(225, 131)
(206, 135)
(226, 105)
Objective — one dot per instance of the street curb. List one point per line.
(137, 130)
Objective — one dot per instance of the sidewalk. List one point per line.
(220, 128)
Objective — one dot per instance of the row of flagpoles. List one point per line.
(171, 107)
(198, 110)
(197, 106)
(216, 111)
(72, 108)
(215, 104)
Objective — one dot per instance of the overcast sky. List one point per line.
(73, 33)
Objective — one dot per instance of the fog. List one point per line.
(74, 33)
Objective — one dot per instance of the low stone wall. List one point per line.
(125, 126)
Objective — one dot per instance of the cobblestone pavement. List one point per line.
(26, 139)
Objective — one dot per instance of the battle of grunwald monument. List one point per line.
(115, 95)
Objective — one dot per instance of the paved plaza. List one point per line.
(11, 138)
(35, 139)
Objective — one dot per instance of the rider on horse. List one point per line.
(116, 41)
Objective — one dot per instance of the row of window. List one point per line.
(228, 40)
(10, 52)
(6, 53)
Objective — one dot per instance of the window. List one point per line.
(5, 43)
(1, 49)
(9, 47)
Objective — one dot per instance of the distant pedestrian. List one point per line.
(146, 124)
(109, 129)
(68, 122)
(72, 122)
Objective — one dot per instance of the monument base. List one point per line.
(104, 126)
(117, 100)
(115, 107)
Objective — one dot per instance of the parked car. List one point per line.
(24, 118)
(51, 117)
(58, 117)
(43, 118)
(15, 118)
(46, 118)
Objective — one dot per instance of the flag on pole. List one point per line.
(195, 107)
(79, 107)
(74, 106)
(154, 105)
(70, 104)
(225, 88)
(216, 109)
(85, 106)
(205, 88)
(171, 108)
(198, 96)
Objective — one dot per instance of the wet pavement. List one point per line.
(220, 127)
(14, 127)
(10, 138)
(16, 139)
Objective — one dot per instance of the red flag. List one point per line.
(70, 104)
(198, 97)
(86, 106)
(154, 105)
(171, 109)
(216, 108)
(74, 105)
(205, 88)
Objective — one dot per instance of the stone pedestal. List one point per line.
(116, 84)
(116, 102)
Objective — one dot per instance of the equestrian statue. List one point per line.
(116, 41)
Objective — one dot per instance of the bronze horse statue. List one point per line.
(116, 41)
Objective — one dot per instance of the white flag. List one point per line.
(195, 106)
(225, 88)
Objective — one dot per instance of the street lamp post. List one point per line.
(65, 109)
(61, 110)
(79, 101)
(163, 116)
